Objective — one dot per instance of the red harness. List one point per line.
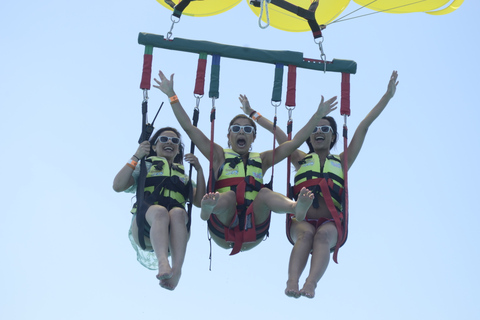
(339, 217)
(242, 229)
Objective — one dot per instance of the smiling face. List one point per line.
(167, 149)
(320, 140)
(240, 142)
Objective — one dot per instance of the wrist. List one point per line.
(132, 164)
(173, 99)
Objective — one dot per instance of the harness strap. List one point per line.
(307, 14)
(341, 231)
(242, 233)
(242, 229)
(178, 9)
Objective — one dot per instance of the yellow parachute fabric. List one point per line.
(452, 7)
(281, 19)
(202, 8)
(408, 6)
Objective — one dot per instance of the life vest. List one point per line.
(246, 181)
(165, 185)
(326, 182)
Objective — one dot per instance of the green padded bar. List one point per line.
(278, 83)
(243, 53)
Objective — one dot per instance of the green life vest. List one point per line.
(165, 185)
(311, 169)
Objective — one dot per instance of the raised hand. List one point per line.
(245, 105)
(165, 85)
(392, 84)
(325, 107)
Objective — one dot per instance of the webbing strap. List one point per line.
(307, 14)
(291, 85)
(211, 178)
(215, 77)
(277, 83)
(336, 217)
(147, 68)
(289, 161)
(200, 78)
(141, 205)
(345, 102)
(178, 9)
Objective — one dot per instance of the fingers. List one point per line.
(190, 158)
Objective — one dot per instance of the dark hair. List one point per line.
(333, 124)
(242, 116)
(179, 157)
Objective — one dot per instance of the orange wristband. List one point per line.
(256, 116)
(173, 99)
(132, 164)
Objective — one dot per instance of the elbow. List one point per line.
(117, 188)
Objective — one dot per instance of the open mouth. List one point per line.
(319, 138)
(168, 148)
(241, 142)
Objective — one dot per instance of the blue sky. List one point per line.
(71, 117)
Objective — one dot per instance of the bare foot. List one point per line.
(308, 290)
(172, 282)
(209, 201)
(292, 289)
(304, 201)
(164, 271)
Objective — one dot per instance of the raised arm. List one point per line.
(288, 147)
(361, 132)
(261, 120)
(265, 123)
(196, 135)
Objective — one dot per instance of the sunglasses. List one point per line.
(164, 139)
(324, 129)
(236, 128)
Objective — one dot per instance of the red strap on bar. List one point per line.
(291, 85)
(147, 71)
(200, 79)
(345, 103)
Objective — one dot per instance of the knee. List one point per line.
(305, 236)
(178, 215)
(325, 237)
(157, 213)
(264, 192)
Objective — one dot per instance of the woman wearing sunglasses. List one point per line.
(318, 232)
(167, 188)
(238, 212)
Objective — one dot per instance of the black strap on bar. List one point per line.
(178, 9)
(307, 14)
(142, 206)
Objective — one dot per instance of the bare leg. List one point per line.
(302, 233)
(268, 200)
(325, 238)
(221, 204)
(157, 217)
(178, 246)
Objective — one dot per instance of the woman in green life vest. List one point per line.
(167, 189)
(317, 234)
